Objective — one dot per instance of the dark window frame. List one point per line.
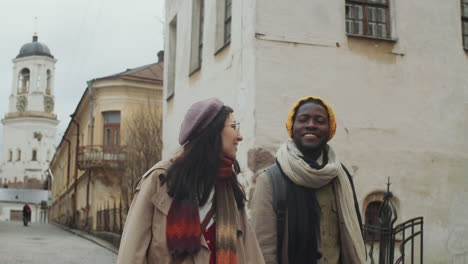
(227, 21)
(464, 21)
(111, 129)
(171, 62)
(34, 155)
(200, 32)
(365, 5)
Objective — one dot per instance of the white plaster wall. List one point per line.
(229, 75)
(6, 207)
(399, 116)
(18, 134)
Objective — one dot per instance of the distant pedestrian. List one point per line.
(191, 208)
(26, 214)
(304, 209)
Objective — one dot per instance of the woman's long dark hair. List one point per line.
(193, 174)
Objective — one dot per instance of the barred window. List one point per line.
(372, 219)
(368, 18)
(464, 9)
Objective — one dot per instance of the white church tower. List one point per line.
(30, 125)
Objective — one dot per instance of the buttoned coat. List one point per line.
(144, 236)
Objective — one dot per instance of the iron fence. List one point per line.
(111, 219)
(384, 237)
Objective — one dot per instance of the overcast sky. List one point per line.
(89, 38)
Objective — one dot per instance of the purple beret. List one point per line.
(198, 117)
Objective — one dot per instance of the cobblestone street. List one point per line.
(46, 243)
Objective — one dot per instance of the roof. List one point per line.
(154, 72)
(34, 48)
(24, 195)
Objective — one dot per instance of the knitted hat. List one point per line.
(332, 121)
(198, 117)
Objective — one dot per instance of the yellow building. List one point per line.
(86, 169)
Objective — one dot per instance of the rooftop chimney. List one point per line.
(161, 56)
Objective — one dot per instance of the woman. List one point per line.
(190, 209)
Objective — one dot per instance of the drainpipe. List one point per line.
(76, 165)
(91, 142)
(68, 179)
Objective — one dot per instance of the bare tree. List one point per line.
(144, 145)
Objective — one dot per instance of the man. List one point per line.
(316, 218)
(26, 214)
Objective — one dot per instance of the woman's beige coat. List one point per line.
(144, 235)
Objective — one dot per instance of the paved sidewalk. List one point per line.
(96, 240)
(48, 244)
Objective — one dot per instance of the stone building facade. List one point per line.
(86, 168)
(395, 73)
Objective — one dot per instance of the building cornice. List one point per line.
(30, 115)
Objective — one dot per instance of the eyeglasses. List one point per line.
(235, 126)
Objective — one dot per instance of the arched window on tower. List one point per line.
(18, 157)
(34, 155)
(49, 83)
(23, 82)
(10, 155)
(38, 83)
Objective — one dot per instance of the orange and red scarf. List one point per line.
(183, 231)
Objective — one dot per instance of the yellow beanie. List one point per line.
(332, 121)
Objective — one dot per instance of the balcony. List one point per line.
(97, 156)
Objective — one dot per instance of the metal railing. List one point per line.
(415, 227)
(99, 156)
(111, 219)
(385, 237)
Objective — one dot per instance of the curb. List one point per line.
(98, 241)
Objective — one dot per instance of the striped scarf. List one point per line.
(183, 231)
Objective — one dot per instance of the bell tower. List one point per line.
(30, 124)
(32, 90)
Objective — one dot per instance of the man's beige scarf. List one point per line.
(299, 172)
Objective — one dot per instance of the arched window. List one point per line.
(371, 206)
(49, 83)
(372, 219)
(38, 83)
(10, 155)
(34, 155)
(18, 157)
(23, 82)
